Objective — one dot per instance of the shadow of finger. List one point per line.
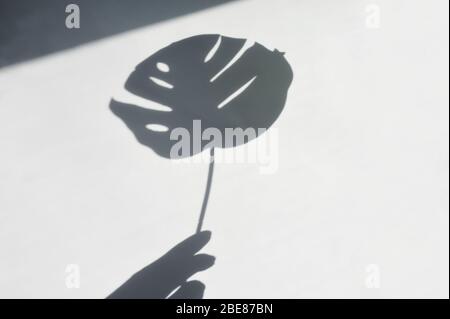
(189, 290)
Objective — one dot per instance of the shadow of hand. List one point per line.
(159, 279)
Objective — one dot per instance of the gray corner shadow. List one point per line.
(31, 29)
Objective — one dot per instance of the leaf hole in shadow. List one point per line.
(163, 67)
(157, 128)
(161, 83)
(237, 93)
(213, 50)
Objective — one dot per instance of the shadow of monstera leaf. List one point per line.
(211, 81)
(202, 84)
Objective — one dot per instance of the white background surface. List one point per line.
(363, 162)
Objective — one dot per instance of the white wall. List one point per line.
(363, 162)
